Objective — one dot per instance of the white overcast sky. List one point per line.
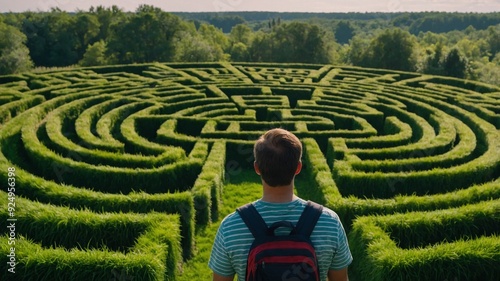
(262, 5)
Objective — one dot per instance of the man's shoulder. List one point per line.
(329, 213)
(328, 216)
(231, 219)
(326, 212)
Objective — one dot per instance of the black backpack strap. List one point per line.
(253, 220)
(309, 218)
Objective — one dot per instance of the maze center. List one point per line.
(377, 130)
(164, 137)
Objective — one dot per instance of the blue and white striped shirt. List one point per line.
(233, 240)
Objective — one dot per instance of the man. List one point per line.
(277, 156)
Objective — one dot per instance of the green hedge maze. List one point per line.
(116, 167)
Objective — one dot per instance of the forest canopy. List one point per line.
(464, 45)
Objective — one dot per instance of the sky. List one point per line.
(262, 5)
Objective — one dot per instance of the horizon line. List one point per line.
(269, 11)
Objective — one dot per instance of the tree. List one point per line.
(455, 64)
(489, 72)
(202, 45)
(35, 28)
(86, 28)
(193, 48)
(393, 49)
(359, 51)
(146, 36)
(225, 22)
(317, 47)
(13, 19)
(300, 42)
(241, 33)
(473, 50)
(433, 63)
(106, 17)
(14, 55)
(494, 40)
(52, 40)
(344, 32)
(240, 39)
(214, 37)
(430, 38)
(261, 48)
(65, 46)
(95, 55)
(239, 52)
(283, 42)
(293, 42)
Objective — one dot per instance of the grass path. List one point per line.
(245, 188)
(240, 190)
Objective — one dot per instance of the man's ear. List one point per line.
(256, 168)
(299, 168)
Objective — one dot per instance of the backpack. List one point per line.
(282, 257)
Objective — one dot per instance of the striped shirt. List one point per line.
(233, 240)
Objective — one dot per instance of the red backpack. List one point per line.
(287, 257)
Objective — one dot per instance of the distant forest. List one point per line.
(464, 45)
(437, 22)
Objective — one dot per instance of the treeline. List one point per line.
(415, 22)
(108, 35)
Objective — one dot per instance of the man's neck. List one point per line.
(278, 194)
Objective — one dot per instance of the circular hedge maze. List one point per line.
(112, 169)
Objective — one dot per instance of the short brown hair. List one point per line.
(277, 155)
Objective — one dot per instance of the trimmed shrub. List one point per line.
(395, 133)
(351, 207)
(12, 109)
(317, 167)
(461, 244)
(56, 236)
(207, 188)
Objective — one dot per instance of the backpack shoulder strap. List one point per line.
(309, 218)
(253, 220)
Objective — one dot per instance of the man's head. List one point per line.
(277, 157)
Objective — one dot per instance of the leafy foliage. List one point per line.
(95, 55)
(455, 64)
(146, 36)
(379, 40)
(392, 49)
(14, 55)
